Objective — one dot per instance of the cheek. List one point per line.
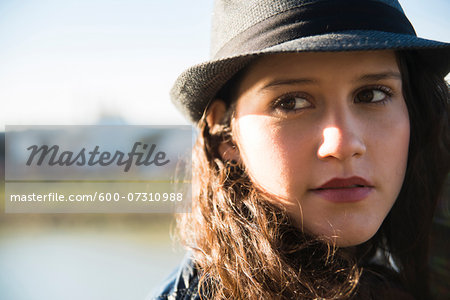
(272, 155)
(261, 153)
(391, 149)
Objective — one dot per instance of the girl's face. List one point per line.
(327, 135)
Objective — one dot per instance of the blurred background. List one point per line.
(109, 62)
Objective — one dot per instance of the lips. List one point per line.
(351, 182)
(344, 190)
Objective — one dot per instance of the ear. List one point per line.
(214, 118)
(215, 114)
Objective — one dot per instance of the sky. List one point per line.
(76, 62)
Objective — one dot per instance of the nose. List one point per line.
(341, 142)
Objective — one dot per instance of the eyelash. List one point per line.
(276, 105)
(384, 89)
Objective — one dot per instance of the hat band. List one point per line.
(317, 18)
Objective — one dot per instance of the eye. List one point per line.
(292, 102)
(373, 95)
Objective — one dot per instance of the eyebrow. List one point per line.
(380, 76)
(365, 77)
(289, 82)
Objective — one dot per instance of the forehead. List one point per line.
(318, 66)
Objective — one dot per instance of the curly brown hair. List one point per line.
(247, 248)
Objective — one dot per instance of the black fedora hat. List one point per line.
(242, 30)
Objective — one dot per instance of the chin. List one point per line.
(346, 238)
(350, 240)
(343, 243)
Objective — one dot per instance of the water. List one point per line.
(84, 262)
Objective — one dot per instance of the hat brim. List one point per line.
(198, 85)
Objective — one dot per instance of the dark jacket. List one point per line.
(182, 284)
